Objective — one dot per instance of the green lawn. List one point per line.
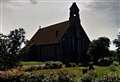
(31, 62)
(100, 70)
(75, 71)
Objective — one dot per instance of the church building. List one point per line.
(65, 41)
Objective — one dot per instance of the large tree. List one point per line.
(10, 46)
(117, 43)
(99, 49)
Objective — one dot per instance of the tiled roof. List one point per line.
(51, 34)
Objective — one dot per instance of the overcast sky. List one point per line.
(98, 17)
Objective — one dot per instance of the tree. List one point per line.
(117, 43)
(113, 55)
(99, 49)
(10, 46)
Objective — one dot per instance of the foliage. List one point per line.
(113, 68)
(54, 65)
(42, 66)
(71, 65)
(35, 77)
(106, 61)
(115, 63)
(88, 76)
(99, 49)
(110, 77)
(72, 74)
(117, 43)
(113, 55)
(10, 46)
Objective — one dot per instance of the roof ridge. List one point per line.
(54, 24)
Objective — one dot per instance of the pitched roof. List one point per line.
(51, 34)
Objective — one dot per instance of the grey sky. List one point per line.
(98, 17)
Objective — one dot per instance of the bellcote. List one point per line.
(74, 10)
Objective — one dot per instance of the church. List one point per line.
(65, 41)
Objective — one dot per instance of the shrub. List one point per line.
(88, 76)
(113, 68)
(53, 65)
(29, 68)
(33, 77)
(104, 61)
(48, 65)
(35, 67)
(64, 78)
(84, 71)
(115, 63)
(71, 65)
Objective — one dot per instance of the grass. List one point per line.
(74, 71)
(100, 70)
(31, 62)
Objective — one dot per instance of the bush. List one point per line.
(48, 65)
(33, 77)
(89, 76)
(84, 71)
(64, 78)
(53, 65)
(71, 65)
(104, 61)
(115, 63)
(113, 68)
(34, 67)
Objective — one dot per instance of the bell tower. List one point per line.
(74, 13)
(81, 41)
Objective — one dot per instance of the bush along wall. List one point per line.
(31, 77)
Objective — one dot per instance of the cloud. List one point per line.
(33, 1)
(107, 8)
(4, 1)
(16, 4)
(98, 16)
